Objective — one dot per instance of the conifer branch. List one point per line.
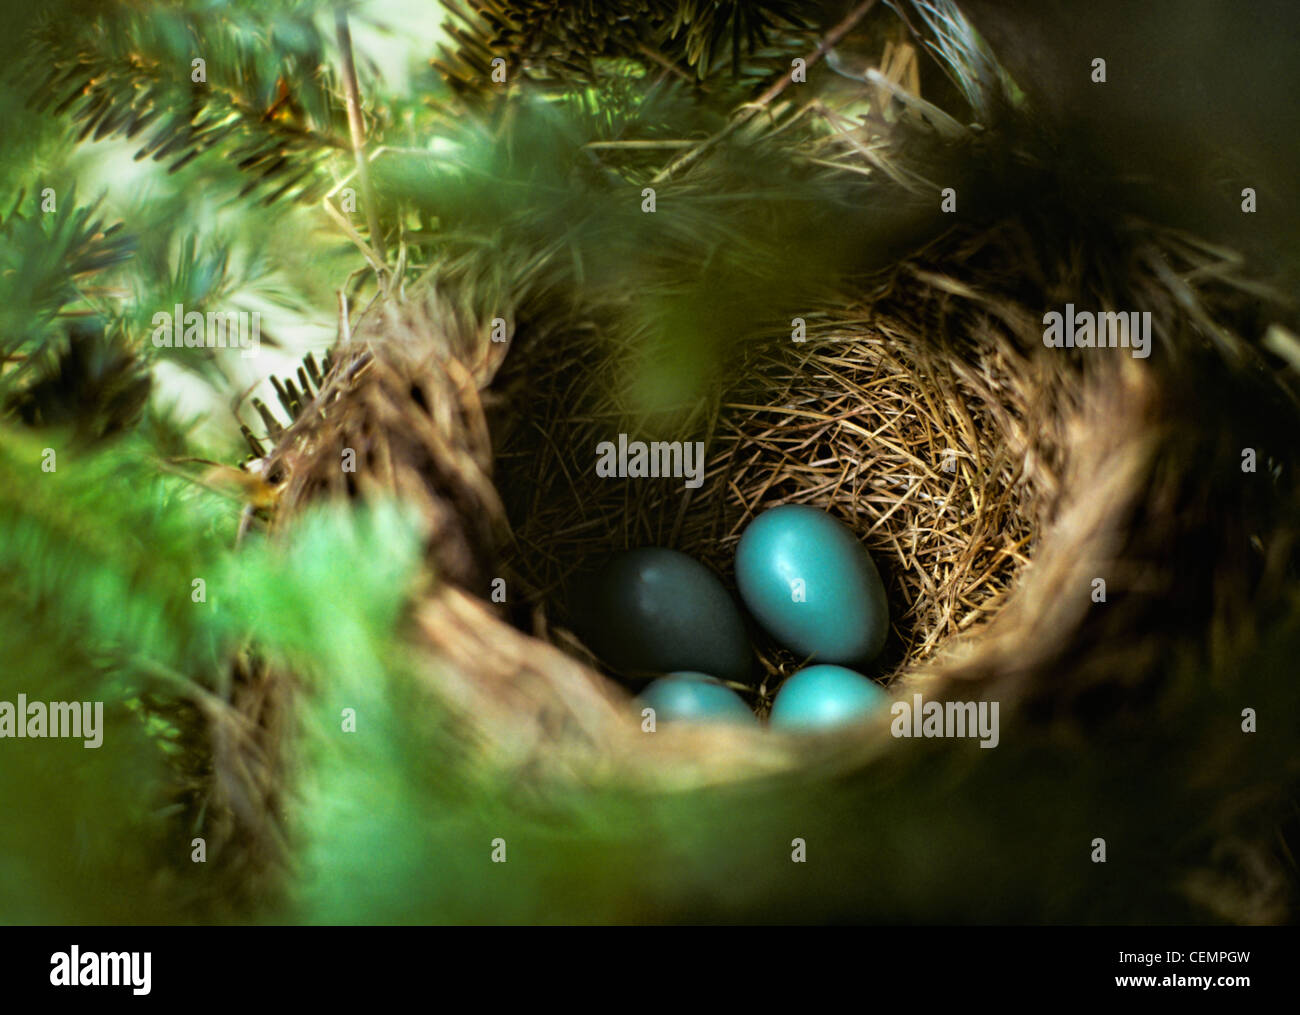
(750, 110)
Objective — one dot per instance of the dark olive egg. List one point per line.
(653, 610)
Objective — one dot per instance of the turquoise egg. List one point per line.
(653, 610)
(818, 697)
(812, 585)
(695, 697)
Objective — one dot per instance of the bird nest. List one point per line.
(935, 426)
(994, 480)
(990, 477)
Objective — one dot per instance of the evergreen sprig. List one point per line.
(267, 104)
(98, 559)
(45, 259)
(107, 527)
(559, 42)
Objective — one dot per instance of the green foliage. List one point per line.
(97, 387)
(533, 204)
(330, 599)
(559, 42)
(107, 528)
(267, 103)
(75, 845)
(44, 260)
(703, 30)
(97, 561)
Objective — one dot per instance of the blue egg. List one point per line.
(812, 585)
(653, 610)
(819, 697)
(695, 697)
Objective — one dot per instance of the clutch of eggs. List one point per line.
(804, 577)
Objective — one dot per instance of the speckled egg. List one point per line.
(653, 610)
(812, 585)
(695, 697)
(820, 697)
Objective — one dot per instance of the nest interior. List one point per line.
(923, 455)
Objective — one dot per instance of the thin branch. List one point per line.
(357, 128)
(374, 256)
(750, 109)
(667, 64)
